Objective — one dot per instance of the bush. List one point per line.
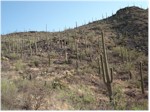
(8, 95)
(128, 66)
(36, 63)
(140, 105)
(119, 99)
(13, 56)
(19, 65)
(80, 97)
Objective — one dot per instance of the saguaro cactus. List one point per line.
(22, 46)
(86, 45)
(35, 43)
(66, 56)
(30, 48)
(77, 55)
(99, 45)
(45, 83)
(30, 77)
(106, 73)
(141, 76)
(49, 59)
(66, 53)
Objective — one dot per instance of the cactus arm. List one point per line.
(111, 75)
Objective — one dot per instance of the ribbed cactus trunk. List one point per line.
(77, 56)
(141, 76)
(30, 49)
(99, 45)
(22, 43)
(86, 45)
(17, 47)
(107, 78)
(106, 73)
(45, 83)
(49, 59)
(66, 54)
(35, 43)
(30, 77)
(122, 54)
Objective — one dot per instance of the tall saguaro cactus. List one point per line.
(77, 55)
(106, 73)
(30, 48)
(77, 50)
(49, 59)
(141, 76)
(35, 43)
(66, 53)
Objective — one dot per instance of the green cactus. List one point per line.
(86, 45)
(17, 47)
(99, 45)
(130, 74)
(35, 43)
(106, 73)
(49, 59)
(30, 77)
(107, 78)
(77, 56)
(129, 57)
(30, 49)
(45, 83)
(21, 48)
(141, 76)
(66, 54)
(122, 54)
(125, 54)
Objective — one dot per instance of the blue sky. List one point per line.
(34, 15)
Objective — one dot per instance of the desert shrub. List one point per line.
(33, 98)
(54, 54)
(33, 94)
(8, 95)
(116, 50)
(19, 65)
(58, 84)
(135, 54)
(87, 70)
(80, 98)
(36, 63)
(127, 53)
(143, 58)
(140, 105)
(119, 98)
(128, 66)
(13, 56)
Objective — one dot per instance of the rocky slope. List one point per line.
(36, 76)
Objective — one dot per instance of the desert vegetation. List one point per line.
(101, 65)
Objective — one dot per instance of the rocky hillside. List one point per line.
(63, 70)
(129, 27)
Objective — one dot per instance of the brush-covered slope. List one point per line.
(60, 70)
